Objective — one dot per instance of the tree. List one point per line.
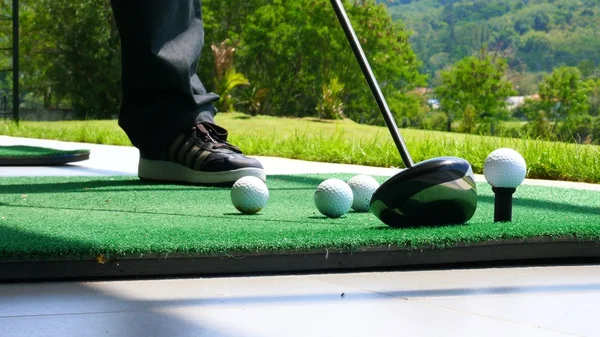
(448, 17)
(223, 20)
(522, 25)
(596, 131)
(564, 95)
(71, 52)
(539, 125)
(476, 81)
(227, 78)
(468, 124)
(331, 106)
(295, 48)
(541, 21)
(537, 51)
(594, 97)
(586, 68)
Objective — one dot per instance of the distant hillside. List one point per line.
(536, 35)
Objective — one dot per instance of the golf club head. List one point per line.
(439, 191)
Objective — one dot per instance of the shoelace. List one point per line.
(204, 133)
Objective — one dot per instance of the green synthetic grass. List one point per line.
(18, 151)
(83, 217)
(349, 143)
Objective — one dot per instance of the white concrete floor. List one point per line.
(545, 301)
(526, 301)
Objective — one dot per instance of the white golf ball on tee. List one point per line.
(505, 168)
(363, 187)
(333, 198)
(249, 195)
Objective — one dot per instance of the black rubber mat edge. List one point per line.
(290, 262)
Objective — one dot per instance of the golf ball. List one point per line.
(363, 187)
(333, 198)
(505, 168)
(249, 195)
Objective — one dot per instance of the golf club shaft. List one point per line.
(370, 77)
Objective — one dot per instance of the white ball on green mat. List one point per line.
(505, 167)
(363, 187)
(333, 198)
(249, 195)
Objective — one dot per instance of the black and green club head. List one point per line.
(439, 191)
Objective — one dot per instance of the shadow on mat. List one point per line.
(313, 180)
(310, 182)
(208, 218)
(26, 244)
(544, 204)
(113, 184)
(305, 179)
(243, 214)
(119, 185)
(384, 227)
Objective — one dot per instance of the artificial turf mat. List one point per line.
(21, 155)
(44, 218)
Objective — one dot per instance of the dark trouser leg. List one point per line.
(161, 41)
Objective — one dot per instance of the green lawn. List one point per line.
(348, 142)
(514, 124)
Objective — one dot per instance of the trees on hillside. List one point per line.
(562, 111)
(564, 94)
(476, 85)
(543, 34)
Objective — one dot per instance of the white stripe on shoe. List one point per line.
(168, 171)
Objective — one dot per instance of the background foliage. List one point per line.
(71, 55)
(442, 64)
(267, 57)
(537, 35)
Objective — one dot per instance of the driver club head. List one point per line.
(434, 192)
(439, 191)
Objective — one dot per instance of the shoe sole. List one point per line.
(167, 171)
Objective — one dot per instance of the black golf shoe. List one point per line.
(200, 156)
